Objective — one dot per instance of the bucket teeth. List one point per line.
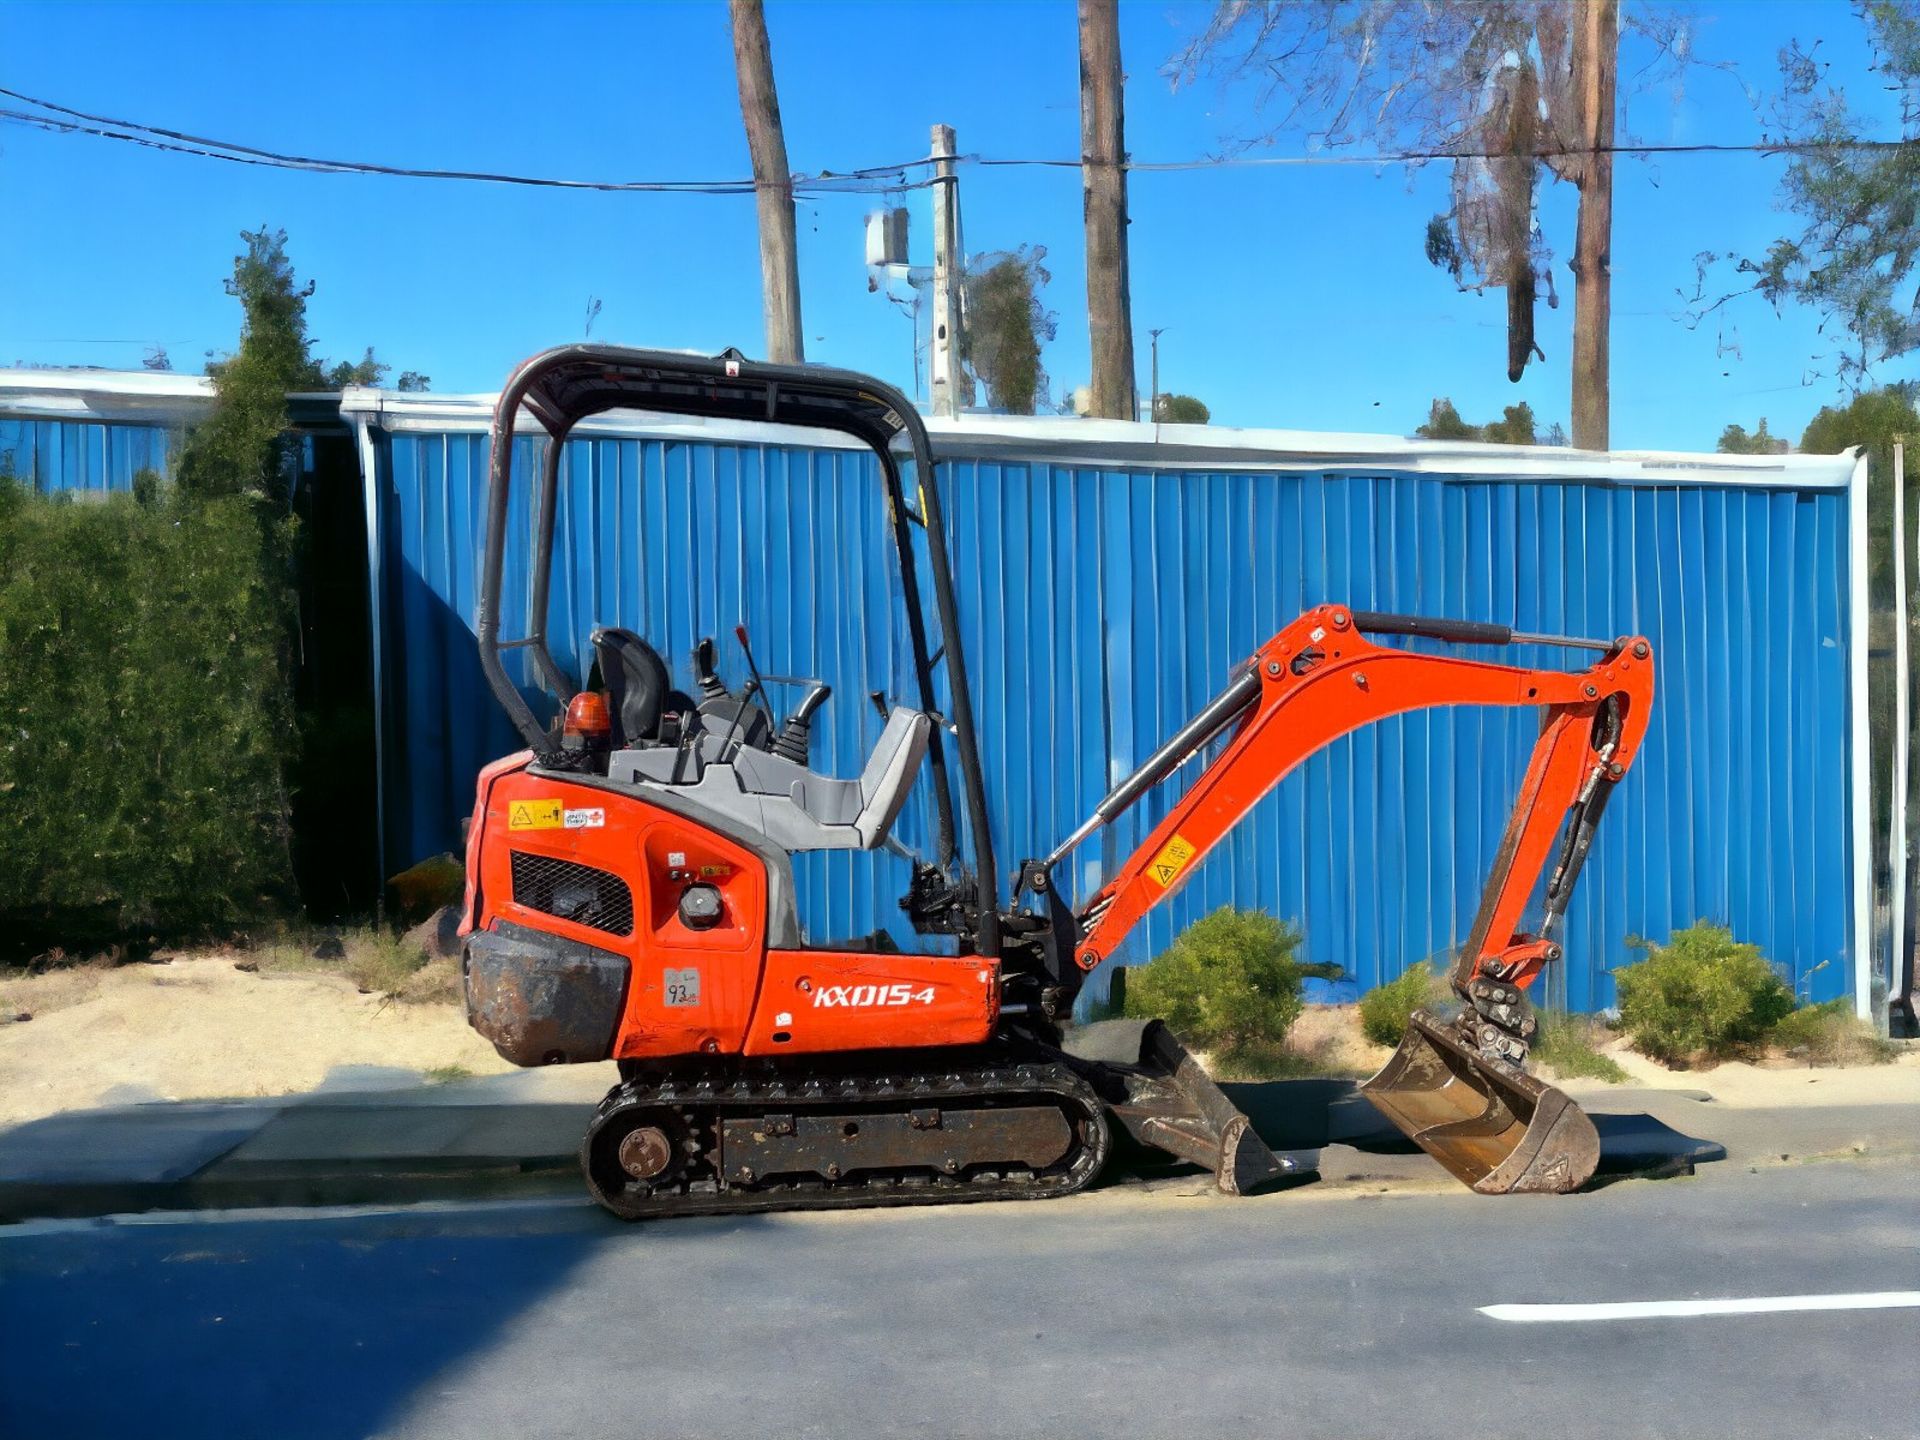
(1495, 1127)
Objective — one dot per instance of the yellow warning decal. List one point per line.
(534, 815)
(1172, 859)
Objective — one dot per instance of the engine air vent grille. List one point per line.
(597, 899)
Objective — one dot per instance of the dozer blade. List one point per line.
(1494, 1126)
(1162, 1097)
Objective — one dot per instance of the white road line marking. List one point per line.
(1660, 1309)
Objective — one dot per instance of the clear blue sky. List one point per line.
(1291, 297)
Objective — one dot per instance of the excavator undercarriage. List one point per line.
(631, 894)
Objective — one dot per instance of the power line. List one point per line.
(1421, 157)
(154, 137)
(877, 179)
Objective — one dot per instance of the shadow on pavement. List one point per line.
(1303, 1115)
(336, 1325)
(324, 1327)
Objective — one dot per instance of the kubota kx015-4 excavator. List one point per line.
(630, 890)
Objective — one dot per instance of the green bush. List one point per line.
(144, 718)
(1228, 983)
(1571, 1045)
(1385, 1009)
(1702, 995)
(1831, 1034)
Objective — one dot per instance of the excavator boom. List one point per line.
(1457, 1088)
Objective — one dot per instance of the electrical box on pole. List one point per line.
(887, 236)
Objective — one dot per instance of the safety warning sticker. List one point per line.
(534, 815)
(1165, 867)
(594, 819)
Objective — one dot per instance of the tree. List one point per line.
(1515, 427)
(237, 449)
(367, 370)
(1506, 86)
(1444, 423)
(364, 371)
(1873, 420)
(1006, 324)
(1181, 410)
(1854, 257)
(772, 181)
(1734, 440)
(1103, 179)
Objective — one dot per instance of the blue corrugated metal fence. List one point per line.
(94, 456)
(1101, 607)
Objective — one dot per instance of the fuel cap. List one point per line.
(700, 907)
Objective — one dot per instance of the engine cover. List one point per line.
(603, 925)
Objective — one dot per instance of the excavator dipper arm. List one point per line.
(1455, 1087)
(1321, 678)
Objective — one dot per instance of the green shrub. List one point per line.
(144, 719)
(381, 962)
(1702, 995)
(1267, 1060)
(1571, 1045)
(1831, 1034)
(1385, 1009)
(1227, 984)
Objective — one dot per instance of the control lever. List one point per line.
(754, 688)
(753, 670)
(705, 677)
(796, 735)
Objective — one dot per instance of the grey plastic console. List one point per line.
(794, 807)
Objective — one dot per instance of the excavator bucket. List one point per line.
(1494, 1126)
(1161, 1096)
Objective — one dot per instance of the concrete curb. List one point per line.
(486, 1140)
(328, 1150)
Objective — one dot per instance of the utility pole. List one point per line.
(1103, 180)
(772, 182)
(1900, 958)
(1596, 60)
(1153, 402)
(946, 382)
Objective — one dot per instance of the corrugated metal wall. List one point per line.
(1102, 607)
(84, 455)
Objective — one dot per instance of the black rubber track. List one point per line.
(715, 1095)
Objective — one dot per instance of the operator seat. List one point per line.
(638, 685)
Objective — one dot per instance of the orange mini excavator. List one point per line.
(631, 894)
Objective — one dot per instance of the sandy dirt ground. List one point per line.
(197, 1028)
(1775, 1083)
(1330, 1037)
(200, 1029)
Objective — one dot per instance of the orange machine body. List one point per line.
(720, 989)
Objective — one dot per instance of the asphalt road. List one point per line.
(1120, 1313)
